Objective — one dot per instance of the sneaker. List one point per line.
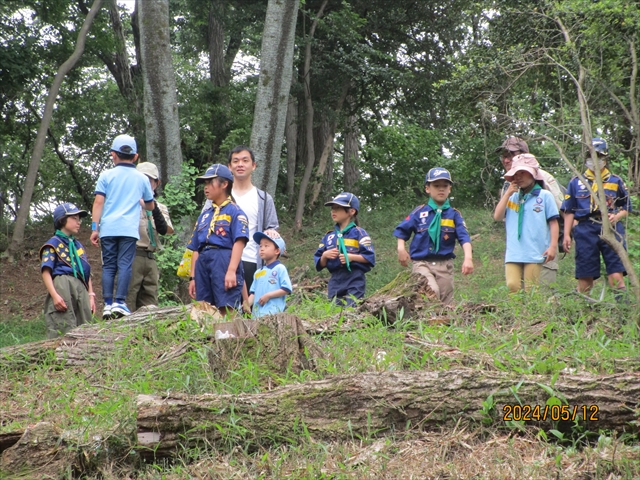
(119, 310)
(106, 313)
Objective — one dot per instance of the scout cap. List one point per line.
(216, 170)
(124, 144)
(66, 210)
(526, 162)
(149, 169)
(438, 174)
(513, 144)
(345, 199)
(278, 241)
(600, 146)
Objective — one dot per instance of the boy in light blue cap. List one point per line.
(115, 220)
(271, 284)
(435, 228)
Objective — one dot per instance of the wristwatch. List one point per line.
(191, 278)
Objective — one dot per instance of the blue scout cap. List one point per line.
(345, 199)
(67, 209)
(124, 144)
(216, 170)
(600, 146)
(438, 174)
(278, 241)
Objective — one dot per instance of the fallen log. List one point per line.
(371, 404)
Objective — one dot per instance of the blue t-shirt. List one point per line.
(539, 209)
(122, 186)
(268, 279)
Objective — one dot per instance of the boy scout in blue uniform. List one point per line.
(346, 251)
(217, 242)
(435, 227)
(581, 206)
(66, 274)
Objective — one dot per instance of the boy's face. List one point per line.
(241, 165)
(72, 226)
(340, 214)
(268, 250)
(438, 190)
(213, 189)
(523, 179)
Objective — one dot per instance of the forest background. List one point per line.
(379, 93)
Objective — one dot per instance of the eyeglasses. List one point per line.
(509, 153)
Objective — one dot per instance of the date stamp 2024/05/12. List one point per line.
(549, 412)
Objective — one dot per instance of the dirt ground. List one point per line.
(22, 292)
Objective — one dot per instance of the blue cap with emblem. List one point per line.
(600, 146)
(66, 210)
(438, 174)
(345, 199)
(215, 170)
(278, 241)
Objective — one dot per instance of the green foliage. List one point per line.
(178, 197)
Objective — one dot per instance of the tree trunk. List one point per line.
(276, 66)
(215, 41)
(308, 121)
(160, 98)
(366, 404)
(34, 165)
(291, 139)
(326, 155)
(351, 155)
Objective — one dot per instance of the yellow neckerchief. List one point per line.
(590, 175)
(216, 212)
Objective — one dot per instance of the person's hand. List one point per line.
(271, 233)
(613, 218)
(95, 238)
(59, 303)
(246, 308)
(343, 260)
(550, 254)
(467, 266)
(403, 257)
(513, 188)
(566, 243)
(192, 289)
(92, 303)
(330, 254)
(230, 280)
(264, 299)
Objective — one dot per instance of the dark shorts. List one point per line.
(589, 247)
(345, 285)
(211, 269)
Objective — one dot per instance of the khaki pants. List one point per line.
(76, 297)
(143, 288)
(549, 272)
(519, 274)
(439, 277)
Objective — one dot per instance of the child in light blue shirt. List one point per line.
(271, 284)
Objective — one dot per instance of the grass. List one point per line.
(545, 332)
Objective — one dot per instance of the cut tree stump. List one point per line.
(279, 341)
(408, 292)
(370, 404)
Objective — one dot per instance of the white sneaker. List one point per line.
(106, 313)
(120, 310)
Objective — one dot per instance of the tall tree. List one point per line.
(160, 97)
(36, 156)
(276, 64)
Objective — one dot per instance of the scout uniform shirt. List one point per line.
(221, 230)
(145, 217)
(54, 254)
(579, 202)
(356, 240)
(452, 226)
